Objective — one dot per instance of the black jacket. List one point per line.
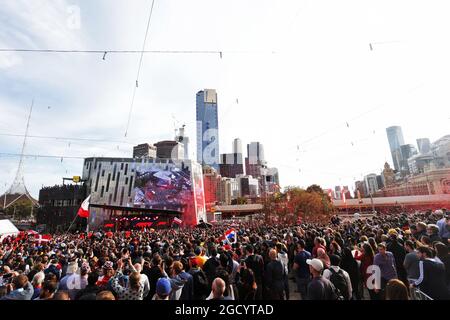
(432, 280)
(274, 277)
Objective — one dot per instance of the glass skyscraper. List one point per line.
(395, 138)
(207, 128)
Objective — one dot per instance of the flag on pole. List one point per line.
(83, 212)
(177, 221)
(230, 236)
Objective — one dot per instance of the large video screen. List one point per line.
(163, 188)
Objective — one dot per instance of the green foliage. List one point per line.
(20, 210)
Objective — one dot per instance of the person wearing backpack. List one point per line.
(320, 288)
(199, 281)
(339, 277)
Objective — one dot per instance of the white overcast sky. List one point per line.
(300, 70)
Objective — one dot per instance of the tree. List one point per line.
(20, 210)
(314, 188)
(310, 205)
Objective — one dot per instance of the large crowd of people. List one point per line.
(383, 257)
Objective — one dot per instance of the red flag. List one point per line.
(42, 238)
(83, 212)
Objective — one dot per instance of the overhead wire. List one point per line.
(66, 138)
(115, 51)
(139, 68)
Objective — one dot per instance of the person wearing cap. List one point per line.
(163, 289)
(319, 288)
(385, 260)
(444, 228)
(199, 280)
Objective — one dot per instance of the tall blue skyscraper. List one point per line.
(395, 138)
(207, 128)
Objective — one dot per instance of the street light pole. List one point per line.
(373, 206)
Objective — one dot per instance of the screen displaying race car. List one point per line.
(167, 188)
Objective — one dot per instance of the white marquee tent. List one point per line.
(7, 228)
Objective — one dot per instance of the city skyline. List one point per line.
(319, 107)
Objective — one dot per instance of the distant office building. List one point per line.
(207, 128)
(371, 184)
(248, 186)
(424, 145)
(407, 151)
(169, 149)
(144, 150)
(380, 182)
(269, 181)
(359, 186)
(347, 193)
(255, 153)
(395, 138)
(337, 193)
(273, 176)
(231, 165)
(255, 161)
(237, 146)
(228, 191)
(419, 163)
(181, 138)
(440, 150)
(432, 182)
